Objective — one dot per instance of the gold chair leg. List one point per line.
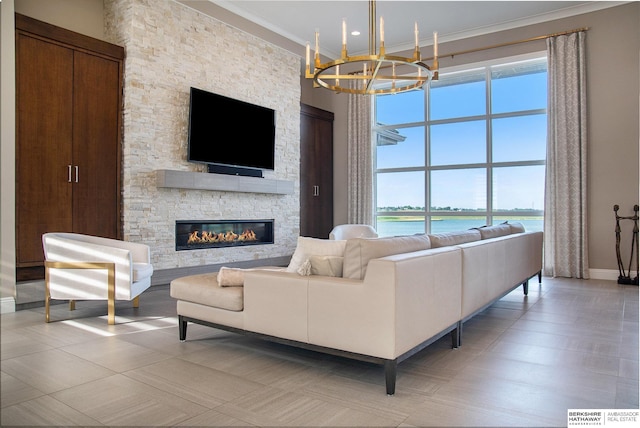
(136, 302)
(46, 309)
(111, 296)
(72, 305)
(47, 294)
(111, 313)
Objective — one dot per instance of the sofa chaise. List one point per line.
(379, 300)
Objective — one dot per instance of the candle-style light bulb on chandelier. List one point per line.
(378, 73)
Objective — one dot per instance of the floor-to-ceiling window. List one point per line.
(466, 152)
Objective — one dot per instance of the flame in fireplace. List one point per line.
(211, 237)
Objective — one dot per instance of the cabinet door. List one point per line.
(96, 150)
(43, 144)
(316, 172)
(307, 173)
(323, 159)
(68, 121)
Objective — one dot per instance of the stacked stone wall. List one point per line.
(170, 48)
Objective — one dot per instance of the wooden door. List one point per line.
(43, 144)
(96, 153)
(68, 125)
(316, 172)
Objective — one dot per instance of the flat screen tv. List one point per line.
(231, 136)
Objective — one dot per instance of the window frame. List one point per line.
(488, 165)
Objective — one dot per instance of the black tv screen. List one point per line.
(229, 132)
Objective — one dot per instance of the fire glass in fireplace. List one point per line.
(202, 234)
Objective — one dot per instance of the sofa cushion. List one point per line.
(517, 227)
(205, 290)
(488, 232)
(308, 247)
(234, 277)
(326, 265)
(454, 238)
(359, 251)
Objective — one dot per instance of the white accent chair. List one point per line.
(348, 231)
(83, 267)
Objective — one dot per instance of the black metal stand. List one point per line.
(625, 276)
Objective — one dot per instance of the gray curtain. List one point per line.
(360, 160)
(565, 225)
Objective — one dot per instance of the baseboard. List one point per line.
(607, 274)
(7, 305)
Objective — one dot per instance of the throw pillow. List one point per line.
(359, 251)
(326, 265)
(454, 238)
(305, 268)
(231, 277)
(516, 227)
(234, 277)
(308, 247)
(488, 232)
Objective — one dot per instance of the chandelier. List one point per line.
(376, 73)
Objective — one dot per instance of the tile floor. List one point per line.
(570, 344)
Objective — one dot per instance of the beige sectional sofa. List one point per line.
(379, 300)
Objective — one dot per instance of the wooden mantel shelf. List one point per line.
(226, 183)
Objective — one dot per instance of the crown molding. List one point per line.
(254, 23)
(580, 9)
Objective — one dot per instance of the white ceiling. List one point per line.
(298, 20)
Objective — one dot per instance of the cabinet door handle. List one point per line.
(77, 176)
(69, 167)
(316, 190)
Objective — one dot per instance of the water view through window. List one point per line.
(467, 152)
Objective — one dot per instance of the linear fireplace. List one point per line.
(203, 234)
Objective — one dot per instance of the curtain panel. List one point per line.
(565, 225)
(360, 160)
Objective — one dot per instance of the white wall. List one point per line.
(81, 16)
(7, 158)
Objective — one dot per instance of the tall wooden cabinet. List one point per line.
(316, 172)
(68, 132)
